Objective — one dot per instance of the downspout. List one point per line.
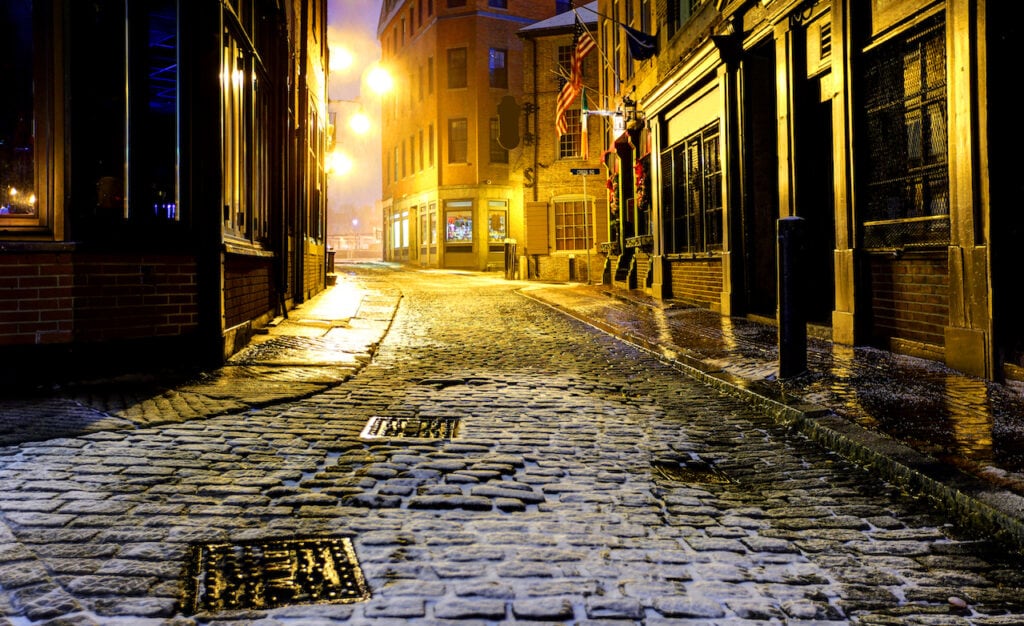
(536, 148)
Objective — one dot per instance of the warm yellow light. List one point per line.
(338, 163)
(341, 58)
(359, 123)
(379, 80)
(13, 191)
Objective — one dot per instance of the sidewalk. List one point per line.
(955, 439)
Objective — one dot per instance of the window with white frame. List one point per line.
(573, 225)
(570, 144)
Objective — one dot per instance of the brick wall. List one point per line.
(248, 289)
(697, 281)
(36, 297)
(134, 296)
(910, 298)
(65, 297)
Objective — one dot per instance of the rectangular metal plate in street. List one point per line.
(271, 573)
(411, 427)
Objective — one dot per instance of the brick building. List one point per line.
(884, 127)
(161, 166)
(565, 214)
(451, 189)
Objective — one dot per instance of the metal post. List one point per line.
(791, 295)
(586, 228)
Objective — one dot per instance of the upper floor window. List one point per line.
(458, 140)
(498, 153)
(454, 4)
(497, 69)
(679, 11)
(570, 145)
(498, 4)
(457, 68)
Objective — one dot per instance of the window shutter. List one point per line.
(538, 239)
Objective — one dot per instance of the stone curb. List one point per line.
(972, 502)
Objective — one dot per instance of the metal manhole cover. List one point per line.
(271, 573)
(414, 427)
(693, 472)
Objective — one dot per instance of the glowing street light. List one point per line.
(338, 163)
(360, 123)
(379, 80)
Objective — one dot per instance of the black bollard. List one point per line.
(792, 293)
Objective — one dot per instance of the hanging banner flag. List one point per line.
(641, 45)
(582, 43)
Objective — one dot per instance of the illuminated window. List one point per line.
(497, 70)
(458, 217)
(497, 221)
(573, 226)
(20, 118)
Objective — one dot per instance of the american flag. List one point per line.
(582, 43)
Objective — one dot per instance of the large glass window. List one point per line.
(457, 68)
(573, 226)
(458, 216)
(691, 193)
(497, 221)
(907, 188)
(458, 140)
(17, 114)
(234, 68)
(497, 69)
(153, 110)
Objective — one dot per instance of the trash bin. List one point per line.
(330, 260)
(510, 259)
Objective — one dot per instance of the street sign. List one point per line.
(585, 171)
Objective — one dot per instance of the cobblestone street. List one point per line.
(494, 462)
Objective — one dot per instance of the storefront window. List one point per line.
(459, 222)
(17, 112)
(497, 218)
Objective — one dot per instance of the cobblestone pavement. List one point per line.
(586, 481)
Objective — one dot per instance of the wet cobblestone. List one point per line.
(548, 505)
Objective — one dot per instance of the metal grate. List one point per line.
(411, 427)
(266, 574)
(690, 472)
(906, 140)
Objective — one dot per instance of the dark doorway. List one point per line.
(760, 179)
(815, 199)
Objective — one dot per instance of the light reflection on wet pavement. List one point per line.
(972, 423)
